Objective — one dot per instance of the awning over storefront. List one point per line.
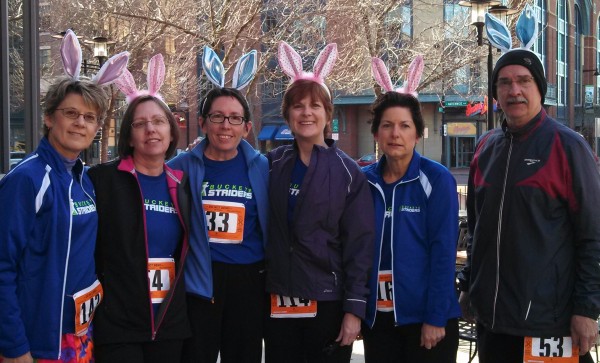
(284, 133)
(267, 132)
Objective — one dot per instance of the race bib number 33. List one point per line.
(555, 349)
(224, 221)
(86, 302)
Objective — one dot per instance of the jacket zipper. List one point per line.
(62, 304)
(181, 267)
(500, 231)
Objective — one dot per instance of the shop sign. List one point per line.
(462, 129)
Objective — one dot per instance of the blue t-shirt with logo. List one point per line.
(298, 174)
(231, 212)
(84, 216)
(163, 228)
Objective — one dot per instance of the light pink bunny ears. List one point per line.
(155, 78)
(70, 51)
(382, 76)
(291, 63)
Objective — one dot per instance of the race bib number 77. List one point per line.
(555, 349)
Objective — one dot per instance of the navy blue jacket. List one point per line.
(532, 204)
(328, 254)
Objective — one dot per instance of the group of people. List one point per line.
(221, 248)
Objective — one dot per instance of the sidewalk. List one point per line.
(358, 355)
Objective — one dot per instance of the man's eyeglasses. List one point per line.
(73, 114)
(217, 118)
(157, 122)
(523, 82)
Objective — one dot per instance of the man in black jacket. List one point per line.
(532, 278)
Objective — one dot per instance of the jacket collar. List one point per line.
(248, 152)
(375, 172)
(127, 165)
(528, 128)
(55, 160)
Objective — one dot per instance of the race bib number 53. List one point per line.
(86, 302)
(555, 349)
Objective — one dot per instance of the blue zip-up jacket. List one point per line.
(35, 238)
(198, 268)
(424, 231)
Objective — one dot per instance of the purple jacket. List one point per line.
(328, 252)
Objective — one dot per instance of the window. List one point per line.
(562, 58)
(578, 61)
(457, 25)
(598, 58)
(539, 47)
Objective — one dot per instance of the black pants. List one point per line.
(307, 340)
(387, 343)
(232, 323)
(503, 348)
(150, 352)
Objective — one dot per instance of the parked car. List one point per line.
(366, 159)
(16, 157)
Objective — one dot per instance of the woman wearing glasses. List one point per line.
(48, 223)
(48, 230)
(143, 209)
(224, 272)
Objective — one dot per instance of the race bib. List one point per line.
(86, 302)
(161, 274)
(385, 293)
(556, 349)
(224, 221)
(292, 307)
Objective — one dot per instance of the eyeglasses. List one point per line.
(217, 118)
(73, 114)
(523, 82)
(156, 122)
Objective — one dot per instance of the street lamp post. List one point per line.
(478, 10)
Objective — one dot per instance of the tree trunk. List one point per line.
(106, 126)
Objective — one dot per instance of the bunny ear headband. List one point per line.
(155, 79)
(291, 63)
(245, 69)
(526, 29)
(70, 51)
(382, 76)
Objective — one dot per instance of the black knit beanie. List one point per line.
(527, 59)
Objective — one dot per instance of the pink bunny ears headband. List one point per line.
(155, 78)
(382, 76)
(291, 63)
(70, 51)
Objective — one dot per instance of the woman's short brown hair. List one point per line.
(317, 92)
(124, 148)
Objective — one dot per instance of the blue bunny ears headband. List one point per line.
(244, 72)
(527, 33)
(526, 30)
(245, 69)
